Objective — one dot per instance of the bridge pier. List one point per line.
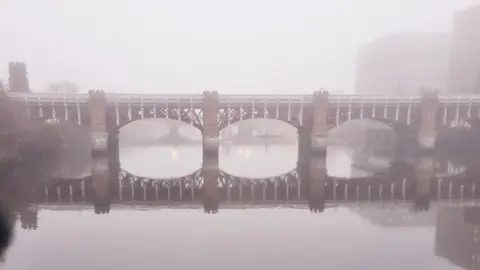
(210, 173)
(304, 145)
(320, 122)
(318, 179)
(101, 183)
(97, 110)
(8, 126)
(428, 132)
(29, 218)
(210, 130)
(424, 173)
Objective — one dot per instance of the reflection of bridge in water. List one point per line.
(308, 183)
(306, 187)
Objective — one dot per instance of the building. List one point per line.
(465, 52)
(403, 63)
(17, 78)
(457, 236)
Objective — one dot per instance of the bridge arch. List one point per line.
(260, 128)
(293, 123)
(390, 132)
(396, 125)
(156, 130)
(120, 116)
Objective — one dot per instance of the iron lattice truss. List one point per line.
(407, 114)
(120, 115)
(196, 180)
(295, 115)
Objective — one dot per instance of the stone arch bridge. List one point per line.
(313, 114)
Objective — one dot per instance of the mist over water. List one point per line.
(372, 201)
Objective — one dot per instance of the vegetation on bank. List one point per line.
(27, 147)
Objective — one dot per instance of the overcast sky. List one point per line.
(186, 46)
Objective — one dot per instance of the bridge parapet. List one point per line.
(463, 99)
(48, 98)
(373, 99)
(153, 99)
(267, 99)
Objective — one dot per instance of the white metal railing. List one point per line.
(240, 98)
(153, 98)
(268, 99)
(48, 98)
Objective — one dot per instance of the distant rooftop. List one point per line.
(408, 37)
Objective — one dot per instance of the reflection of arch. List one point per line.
(224, 122)
(289, 187)
(259, 128)
(189, 187)
(196, 179)
(124, 174)
(177, 122)
(161, 131)
(380, 134)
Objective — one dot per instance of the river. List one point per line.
(362, 234)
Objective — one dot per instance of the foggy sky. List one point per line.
(186, 46)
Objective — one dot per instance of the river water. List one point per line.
(361, 234)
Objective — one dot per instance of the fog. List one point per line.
(143, 46)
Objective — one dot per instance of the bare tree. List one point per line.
(63, 87)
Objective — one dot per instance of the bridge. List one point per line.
(308, 182)
(210, 112)
(306, 187)
(191, 192)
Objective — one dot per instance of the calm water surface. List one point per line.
(278, 238)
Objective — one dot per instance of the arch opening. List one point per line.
(258, 148)
(159, 148)
(360, 148)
